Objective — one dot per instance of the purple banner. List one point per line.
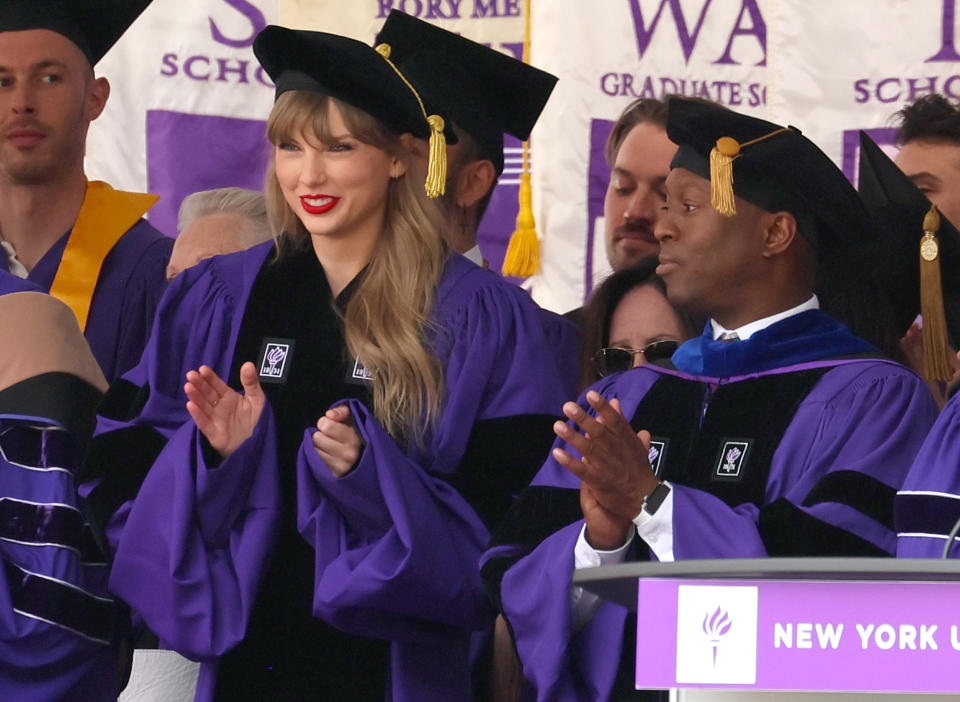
(187, 153)
(798, 635)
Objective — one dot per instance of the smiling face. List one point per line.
(48, 97)
(337, 185)
(709, 262)
(635, 194)
(934, 167)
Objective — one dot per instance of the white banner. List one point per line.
(188, 100)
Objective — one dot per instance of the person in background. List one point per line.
(928, 134)
(485, 94)
(777, 432)
(318, 534)
(61, 634)
(639, 152)
(629, 321)
(215, 222)
(84, 242)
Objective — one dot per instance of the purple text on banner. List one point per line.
(799, 635)
(187, 153)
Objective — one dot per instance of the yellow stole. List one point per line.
(105, 216)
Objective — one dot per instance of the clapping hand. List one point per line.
(614, 470)
(337, 441)
(224, 416)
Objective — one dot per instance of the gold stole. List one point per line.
(105, 216)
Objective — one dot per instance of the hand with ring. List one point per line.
(225, 417)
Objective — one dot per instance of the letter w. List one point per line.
(688, 41)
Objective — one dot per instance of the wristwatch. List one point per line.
(652, 502)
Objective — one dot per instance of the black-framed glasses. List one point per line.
(613, 360)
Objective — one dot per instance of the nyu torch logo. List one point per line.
(716, 626)
(275, 357)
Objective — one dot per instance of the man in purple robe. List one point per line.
(83, 242)
(775, 433)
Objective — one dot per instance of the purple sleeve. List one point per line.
(833, 477)
(399, 539)
(196, 540)
(928, 505)
(396, 548)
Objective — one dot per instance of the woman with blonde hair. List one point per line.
(394, 398)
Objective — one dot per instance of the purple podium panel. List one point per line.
(837, 636)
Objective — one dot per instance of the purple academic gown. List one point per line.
(9, 283)
(831, 469)
(928, 505)
(57, 623)
(132, 280)
(397, 544)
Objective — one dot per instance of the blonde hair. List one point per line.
(387, 318)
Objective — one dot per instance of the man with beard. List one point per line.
(82, 241)
(639, 153)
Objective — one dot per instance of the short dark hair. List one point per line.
(929, 117)
(642, 111)
(598, 312)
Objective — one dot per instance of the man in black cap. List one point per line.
(484, 93)
(82, 241)
(776, 433)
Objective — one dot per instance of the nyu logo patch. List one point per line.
(275, 360)
(717, 634)
(656, 454)
(731, 460)
(357, 373)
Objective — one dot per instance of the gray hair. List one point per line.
(248, 204)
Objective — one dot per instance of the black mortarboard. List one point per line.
(357, 74)
(899, 209)
(775, 168)
(485, 92)
(93, 25)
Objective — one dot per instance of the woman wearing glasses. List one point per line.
(629, 321)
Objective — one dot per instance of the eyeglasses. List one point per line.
(613, 360)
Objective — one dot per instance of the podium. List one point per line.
(850, 625)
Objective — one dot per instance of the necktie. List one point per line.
(728, 337)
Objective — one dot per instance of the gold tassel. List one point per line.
(721, 175)
(936, 342)
(523, 252)
(437, 163)
(436, 184)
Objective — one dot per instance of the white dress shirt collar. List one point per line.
(747, 330)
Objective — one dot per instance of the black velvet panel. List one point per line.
(287, 653)
(501, 458)
(61, 397)
(124, 401)
(862, 492)
(28, 523)
(787, 530)
(535, 514)
(122, 458)
(60, 604)
(757, 411)
(671, 412)
(926, 514)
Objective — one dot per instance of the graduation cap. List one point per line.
(349, 70)
(93, 25)
(915, 243)
(773, 167)
(485, 92)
